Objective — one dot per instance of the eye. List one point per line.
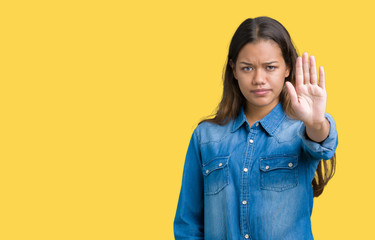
(247, 68)
(271, 67)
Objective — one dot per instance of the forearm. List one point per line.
(318, 132)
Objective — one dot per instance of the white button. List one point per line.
(207, 171)
(244, 202)
(251, 141)
(245, 169)
(246, 236)
(256, 124)
(267, 167)
(290, 164)
(220, 164)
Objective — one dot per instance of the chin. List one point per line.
(263, 102)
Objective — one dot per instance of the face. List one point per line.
(260, 71)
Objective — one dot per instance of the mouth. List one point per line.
(261, 92)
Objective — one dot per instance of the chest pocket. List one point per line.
(278, 173)
(215, 173)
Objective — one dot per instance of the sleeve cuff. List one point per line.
(323, 150)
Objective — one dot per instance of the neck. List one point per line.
(256, 113)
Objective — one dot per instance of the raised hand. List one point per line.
(309, 98)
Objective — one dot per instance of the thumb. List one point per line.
(292, 93)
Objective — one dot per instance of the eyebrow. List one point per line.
(263, 63)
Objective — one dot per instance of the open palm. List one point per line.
(308, 97)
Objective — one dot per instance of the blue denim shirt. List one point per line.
(250, 182)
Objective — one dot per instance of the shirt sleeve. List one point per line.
(323, 150)
(189, 219)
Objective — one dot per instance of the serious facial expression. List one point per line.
(261, 71)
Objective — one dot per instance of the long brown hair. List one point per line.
(252, 30)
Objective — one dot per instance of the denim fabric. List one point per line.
(250, 182)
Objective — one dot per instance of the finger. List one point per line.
(322, 80)
(292, 93)
(305, 65)
(313, 74)
(299, 72)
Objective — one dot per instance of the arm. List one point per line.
(318, 132)
(308, 101)
(324, 149)
(189, 220)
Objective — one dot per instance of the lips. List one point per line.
(261, 92)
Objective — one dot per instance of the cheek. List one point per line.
(278, 81)
(243, 87)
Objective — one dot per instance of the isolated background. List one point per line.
(98, 101)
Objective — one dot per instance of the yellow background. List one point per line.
(98, 101)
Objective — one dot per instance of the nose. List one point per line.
(258, 77)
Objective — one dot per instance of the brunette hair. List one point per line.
(252, 30)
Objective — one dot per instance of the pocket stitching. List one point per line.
(294, 170)
(225, 171)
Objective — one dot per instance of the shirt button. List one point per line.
(246, 236)
(251, 141)
(244, 202)
(290, 164)
(267, 167)
(220, 164)
(207, 171)
(245, 169)
(256, 124)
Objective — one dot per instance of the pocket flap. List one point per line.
(214, 164)
(278, 162)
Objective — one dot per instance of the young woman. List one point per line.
(251, 172)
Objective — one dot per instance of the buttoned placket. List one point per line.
(247, 162)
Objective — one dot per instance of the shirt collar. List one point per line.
(270, 122)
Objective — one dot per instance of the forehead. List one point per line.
(260, 51)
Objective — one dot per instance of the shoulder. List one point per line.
(288, 129)
(211, 132)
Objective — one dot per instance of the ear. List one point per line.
(233, 68)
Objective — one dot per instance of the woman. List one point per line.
(250, 171)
